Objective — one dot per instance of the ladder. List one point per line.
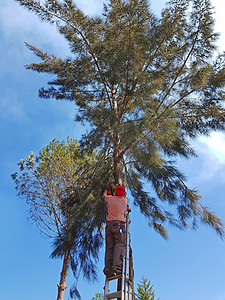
(126, 289)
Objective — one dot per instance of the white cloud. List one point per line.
(216, 145)
(212, 150)
(220, 21)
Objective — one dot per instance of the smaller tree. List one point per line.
(145, 290)
(61, 187)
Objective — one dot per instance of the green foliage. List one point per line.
(147, 87)
(62, 187)
(98, 297)
(145, 290)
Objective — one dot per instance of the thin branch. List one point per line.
(49, 197)
(45, 233)
(105, 83)
(171, 105)
(179, 72)
(42, 220)
(130, 162)
(86, 91)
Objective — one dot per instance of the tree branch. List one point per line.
(49, 197)
(75, 28)
(179, 72)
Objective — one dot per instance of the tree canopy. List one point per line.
(146, 86)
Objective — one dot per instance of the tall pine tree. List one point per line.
(147, 86)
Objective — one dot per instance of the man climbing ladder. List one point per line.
(115, 231)
(118, 256)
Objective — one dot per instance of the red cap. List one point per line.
(120, 191)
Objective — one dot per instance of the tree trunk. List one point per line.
(62, 285)
(117, 167)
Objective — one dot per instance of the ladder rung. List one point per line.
(114, 277)
(114, 295)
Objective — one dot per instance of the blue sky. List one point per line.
(190, 266)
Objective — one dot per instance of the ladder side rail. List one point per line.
(127, 255)
(106, 289)
(129, 283)
(123, 279)
(130, 291)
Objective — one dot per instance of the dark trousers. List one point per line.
(115, 245)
